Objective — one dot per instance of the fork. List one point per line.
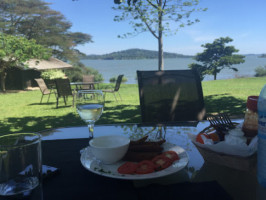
(221, 122)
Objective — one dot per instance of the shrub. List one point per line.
(113, 79)
(75, 74)
(52, 74)
(260, 71)
(97, 76)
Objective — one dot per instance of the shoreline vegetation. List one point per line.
(23, 111)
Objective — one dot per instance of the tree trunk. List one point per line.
(160, 54)
(215, 73)
(160, 40)
(3, 81)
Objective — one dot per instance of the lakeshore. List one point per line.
(111, 68)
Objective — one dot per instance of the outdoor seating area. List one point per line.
(63, 88)
(132, 100)
(172, 110)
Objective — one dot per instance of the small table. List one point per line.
(61, 148)
(89, 84)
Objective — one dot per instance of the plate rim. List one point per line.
(153, 175)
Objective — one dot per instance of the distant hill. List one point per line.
(132, 54)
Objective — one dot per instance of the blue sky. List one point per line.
(242, 20)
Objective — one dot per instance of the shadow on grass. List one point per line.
(42, 104)
(16, 124)
(120, 113)
(219, 103)
(115, 114)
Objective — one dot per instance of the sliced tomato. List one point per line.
(161, 162)
(172, 155)
(145, 167)
(128, 168)
(214, 136)
(200, 136)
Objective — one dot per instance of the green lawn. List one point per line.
(22, 111)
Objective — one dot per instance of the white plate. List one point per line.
(90, 163)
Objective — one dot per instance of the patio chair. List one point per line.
(170, 96)
(116, 88)
(90, 79)
(44, 89)
(63, 89)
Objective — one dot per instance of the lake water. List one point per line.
(112, 68)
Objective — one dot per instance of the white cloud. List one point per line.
(204, 38)
(244, 35)
(200, 36)
(186, 50)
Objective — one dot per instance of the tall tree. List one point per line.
(159, 17)
(15, 50)
(35, 20)
(216, 57)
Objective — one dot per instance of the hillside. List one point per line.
(132, 54)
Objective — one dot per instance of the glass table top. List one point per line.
(239, 184)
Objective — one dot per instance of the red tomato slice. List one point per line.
(172, 155)
(161, 162)
(145, 167)
(128, 168)
(199, 137)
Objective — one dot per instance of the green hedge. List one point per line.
(260, 71)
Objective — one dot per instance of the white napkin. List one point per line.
(230, 149)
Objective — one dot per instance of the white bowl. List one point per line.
(109, 149)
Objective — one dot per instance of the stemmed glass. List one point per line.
(89, 105)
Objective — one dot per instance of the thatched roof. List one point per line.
(52, 63)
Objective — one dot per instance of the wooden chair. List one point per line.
(170, 96)
(88, 79)
(43, 88)
(63, 89)
(116, 88)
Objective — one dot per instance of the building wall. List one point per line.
(18, 79)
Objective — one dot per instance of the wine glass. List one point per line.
(89, 105)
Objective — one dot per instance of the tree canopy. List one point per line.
(15, 50)
(35, 20)
(217, 56)
(159, 17)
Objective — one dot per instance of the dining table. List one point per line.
(76, 178)
(79, 85)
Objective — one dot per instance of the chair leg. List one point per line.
(48, 97)
(104, 94)
(41, 99)
(65, 100)
(73, 101)
(115, 97)
(119, 95)
(57, 98)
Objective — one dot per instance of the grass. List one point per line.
(22, 111)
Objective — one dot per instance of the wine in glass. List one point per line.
(89, 104)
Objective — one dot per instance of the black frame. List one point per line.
(156, 77)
